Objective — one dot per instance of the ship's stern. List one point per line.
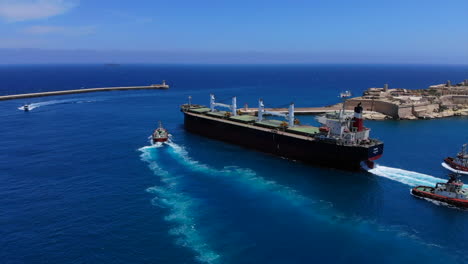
(374, 153)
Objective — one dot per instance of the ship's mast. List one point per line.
(463, 155)
(343, 97)
(291, 115)
(260, 110)
(454, 184)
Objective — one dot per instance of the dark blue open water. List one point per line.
(79, 183)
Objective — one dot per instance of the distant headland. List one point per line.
(437, 101)
(441, 100)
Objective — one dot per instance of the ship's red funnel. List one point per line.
(358, 121)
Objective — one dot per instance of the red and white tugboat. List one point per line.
(459, 164)
(451, 193)
(160, 134)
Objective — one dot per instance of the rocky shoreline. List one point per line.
(371, 115)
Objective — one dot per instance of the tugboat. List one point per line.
(459, 164)
(451, 192)
(160, 134)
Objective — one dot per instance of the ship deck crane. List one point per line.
(289, 116)
(232, 107)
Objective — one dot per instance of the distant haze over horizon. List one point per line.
(44, 56)
(234, 32)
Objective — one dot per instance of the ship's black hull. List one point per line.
(308, 151)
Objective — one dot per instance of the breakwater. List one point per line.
(86, 90)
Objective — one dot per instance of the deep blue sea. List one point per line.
(79, 182)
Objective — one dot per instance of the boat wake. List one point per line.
(242, 175)
(318, 209)
(410, 178)
(445, 165)
(56, 102)
(181, 208)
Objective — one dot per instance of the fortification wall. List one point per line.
(385, 108)
(405, 111)
(366, 104)
(424, 109)
(391, 109)
(460, 99)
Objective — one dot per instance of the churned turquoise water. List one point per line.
(81, 184)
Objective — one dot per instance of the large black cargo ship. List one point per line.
(341, 142)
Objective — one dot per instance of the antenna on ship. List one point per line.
(463, 153)
(344, 95)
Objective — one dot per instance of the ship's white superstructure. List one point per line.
(345, 127)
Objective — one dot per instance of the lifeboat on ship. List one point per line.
(458, 164)
(160, 134)
(324, 129)
(451, 192)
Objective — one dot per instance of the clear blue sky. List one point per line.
(309, 31)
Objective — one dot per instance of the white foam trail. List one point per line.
(153, 145)
(445, 165)
(411, 178)
(246, 176)
(318, 209)
(181, 209)
(55, 102)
